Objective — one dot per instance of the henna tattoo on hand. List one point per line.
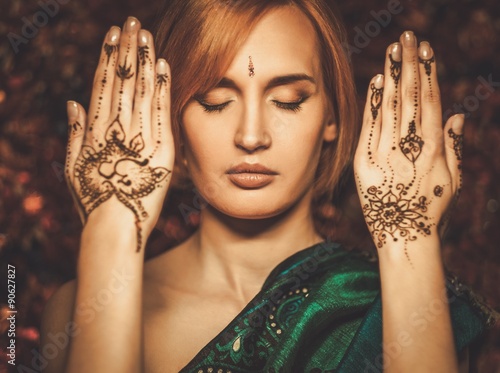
(75, 127)
(118, 169)
(438, 191)
(395, 69)
(412, 144)
(161, 79)
(458, 143)
(143, 52)
(376, 100)
(123, 72)
(110, 49)
(427, 65)
(391, 214)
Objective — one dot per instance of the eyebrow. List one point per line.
(274, 82)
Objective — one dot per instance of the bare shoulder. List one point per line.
(57, 328)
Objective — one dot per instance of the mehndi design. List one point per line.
(376, 99)
(118, 169)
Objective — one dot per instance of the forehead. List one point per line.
(283, 41)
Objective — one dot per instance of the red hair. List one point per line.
(200, 38)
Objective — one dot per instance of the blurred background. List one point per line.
(53, 60)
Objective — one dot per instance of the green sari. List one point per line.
(320, 311)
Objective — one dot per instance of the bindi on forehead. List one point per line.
(251, 69)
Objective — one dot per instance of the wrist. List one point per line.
(422, 251)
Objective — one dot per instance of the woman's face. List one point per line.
(276, 119)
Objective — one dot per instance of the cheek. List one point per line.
(301, 148)
(207, 154)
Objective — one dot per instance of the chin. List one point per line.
(254, 206)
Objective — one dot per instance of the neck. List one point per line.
(237, 255)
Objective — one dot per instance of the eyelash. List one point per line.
(290, 106)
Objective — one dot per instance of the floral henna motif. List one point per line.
(392, 214)
(438, 191)
(412, 144)
(376, 100)
(118, 169)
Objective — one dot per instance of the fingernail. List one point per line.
(409, 39)
(425, 51)
(132, 24)
(458, 123)
(161, 66)
(143, 37)
(72, 109)
(396, 52)
(113, 35)
(379, 81)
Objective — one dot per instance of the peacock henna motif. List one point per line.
(376, 100)
(117, 170)
(412, 144)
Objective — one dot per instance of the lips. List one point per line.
(251, 176)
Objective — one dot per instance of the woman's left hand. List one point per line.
(407, 167)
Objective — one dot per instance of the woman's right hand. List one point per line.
(121, 153)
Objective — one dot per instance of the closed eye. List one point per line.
(290, 106)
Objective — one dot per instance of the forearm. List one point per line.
(108, 308)
(417, 331)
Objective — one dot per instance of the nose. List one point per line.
(252, 134)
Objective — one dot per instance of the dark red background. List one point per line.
(39, 228)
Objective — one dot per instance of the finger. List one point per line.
(76, 131)
(124, 83)
(372, 119)
(453, 133)
(100, 103)
(410, 86)
(391, 102)
(144, 86)
(161, 122)
(430, 96)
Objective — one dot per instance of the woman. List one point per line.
(262, 121)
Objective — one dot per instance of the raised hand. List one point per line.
(407, 167)
(122, 150)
